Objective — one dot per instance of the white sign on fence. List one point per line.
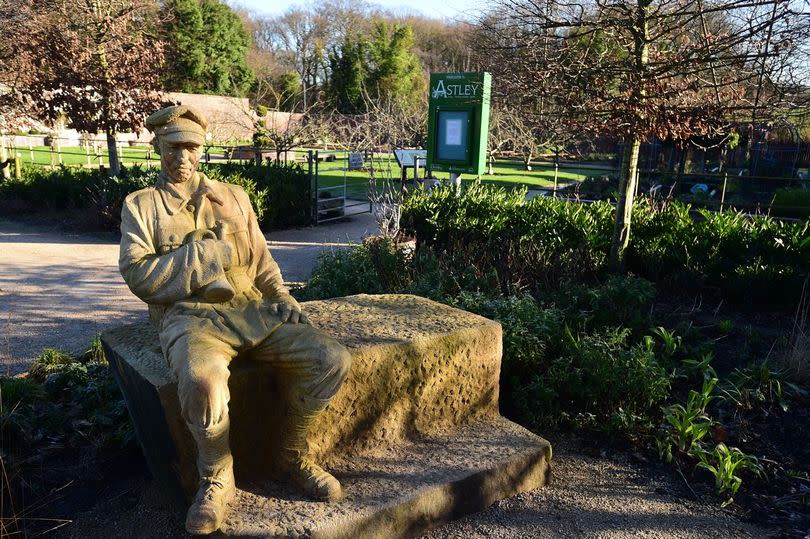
(355, 161)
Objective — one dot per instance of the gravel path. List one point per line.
(59, 289)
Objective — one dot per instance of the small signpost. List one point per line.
(458, 123)
(355, 161)
(409, 158)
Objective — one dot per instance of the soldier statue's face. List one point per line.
(179, 159)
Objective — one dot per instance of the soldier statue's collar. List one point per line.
(176, 198)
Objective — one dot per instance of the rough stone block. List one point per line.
(419, 369)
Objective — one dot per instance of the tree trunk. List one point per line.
(629, 176)
(112, 150)
(624, 205)
(107, 107)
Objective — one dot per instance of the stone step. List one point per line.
(404, 490)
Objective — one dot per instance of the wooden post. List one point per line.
(31, 151)
(4, 157)
(317, 187)
(556, 170)
(53, 160)
(59, 152)
(313, 189)
(723, 194)
(371, 175)
(17, 166)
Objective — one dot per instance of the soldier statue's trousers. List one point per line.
(199, 341)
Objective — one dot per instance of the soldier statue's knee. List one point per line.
(338, 360)
(344, 362)
(328, 372)
(204, 400)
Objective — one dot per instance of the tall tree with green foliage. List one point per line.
(380, 67)
(208, 45)
(349, 71)
(397, 73)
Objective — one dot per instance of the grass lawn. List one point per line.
(506, 173)
(332, 173)
(77, 156)
(541, 175)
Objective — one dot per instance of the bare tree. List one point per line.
(386, 125)
(675, 69)
(500, 137)
(284, 131)
(298, 38)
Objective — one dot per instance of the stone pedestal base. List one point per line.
(414, 433)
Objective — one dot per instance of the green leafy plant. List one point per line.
(758, 385)
(599, 375)
(535, 245)
(94, 352)
(724, 463)
(670, 342)
(51, 360)
(692, 368)
(280, 194)
(685, 426)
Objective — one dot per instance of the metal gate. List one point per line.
(340, 183)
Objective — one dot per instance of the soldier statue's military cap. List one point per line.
(179, 123)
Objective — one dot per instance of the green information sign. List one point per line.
(458, 122)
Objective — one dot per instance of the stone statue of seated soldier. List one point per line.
(191, 248)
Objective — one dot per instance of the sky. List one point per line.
(439, 9)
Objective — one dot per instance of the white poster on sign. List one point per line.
(452, 132)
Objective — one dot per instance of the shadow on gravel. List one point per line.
(59, 306)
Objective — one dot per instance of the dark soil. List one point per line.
(51, 487)
(774, 432)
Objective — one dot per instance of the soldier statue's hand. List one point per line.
(223, 247)
(288, 312)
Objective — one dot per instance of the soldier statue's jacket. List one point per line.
(163, 260)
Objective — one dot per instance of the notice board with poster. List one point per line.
(458, 122)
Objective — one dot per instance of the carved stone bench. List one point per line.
(414, 434)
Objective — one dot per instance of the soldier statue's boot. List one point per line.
(296, 463)
(217, 485)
